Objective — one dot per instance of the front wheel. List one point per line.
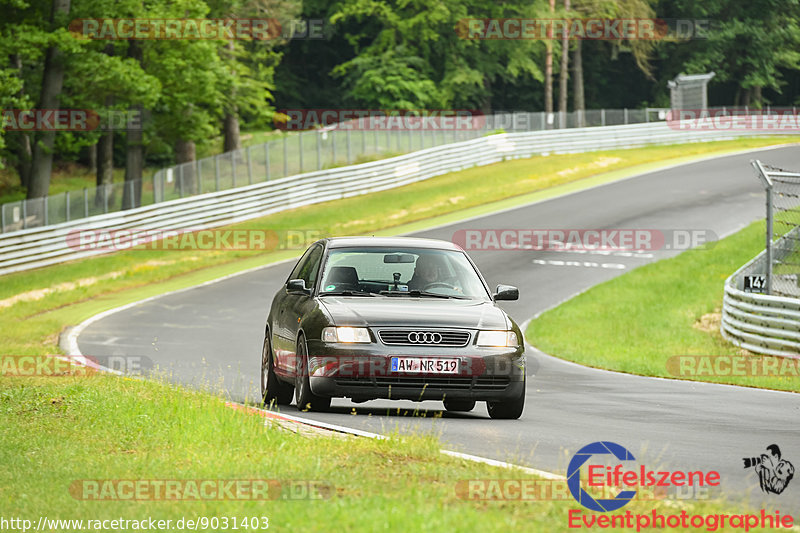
(306, 400)
(509, 409)
(273, 390)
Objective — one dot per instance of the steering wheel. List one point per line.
(440, 284)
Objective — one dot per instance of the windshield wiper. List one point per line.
(346, 293)
(422, 294)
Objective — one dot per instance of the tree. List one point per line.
(52, 82)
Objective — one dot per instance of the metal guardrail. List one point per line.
(760, 323)
(37, 247)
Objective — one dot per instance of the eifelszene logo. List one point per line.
(774, 473)
(617, 476)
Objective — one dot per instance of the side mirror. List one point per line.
(293, 286)
(506, 292)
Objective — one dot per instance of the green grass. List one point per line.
(58, 432)
(636, 322)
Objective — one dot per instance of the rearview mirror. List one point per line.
(506, 292)
(398, 258)
(297, 285)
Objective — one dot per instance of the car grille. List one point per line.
(487, 383)
(422, 337)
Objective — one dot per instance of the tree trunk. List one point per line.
(91, 158)
(134, 160)
(104, 195)
(134, 165)
(564, 75)
(52, 82)
(230, 125)
(746, 101)
(185, 152)
(548, 66)
(231, 130)
(20, 144)
(757, 100)
(578, 101)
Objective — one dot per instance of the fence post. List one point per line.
(180, 182)
(333, 148)
(199, 176)
(3, 218)
(249, 166)
(603, 117)
(319, 151)
(266, 157)
(300, 146)
(233, 167)
(85, 202)
(24, 214)
(46, 210)
(625, 114)
(66, 203)
(762, 175)
(285, 157)
(349, 149)
(105, 198)
(131, 202)
(410, 140)
(216, 173)
(363, 142)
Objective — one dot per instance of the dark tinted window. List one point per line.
(308, 266)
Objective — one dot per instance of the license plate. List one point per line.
(427, 365)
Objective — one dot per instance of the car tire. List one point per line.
(273, 390)
(507, 410)
(459, 406)
(305, 399)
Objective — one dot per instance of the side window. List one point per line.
(308, 267)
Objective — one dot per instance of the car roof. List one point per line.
(389, 242)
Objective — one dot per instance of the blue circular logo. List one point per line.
(574, 476)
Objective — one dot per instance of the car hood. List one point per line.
(410, 311)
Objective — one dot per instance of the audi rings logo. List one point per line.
(424, 337)
(574, 476)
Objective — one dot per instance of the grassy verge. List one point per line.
(676, 304)
(59, 432)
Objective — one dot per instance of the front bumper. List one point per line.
(363, 372)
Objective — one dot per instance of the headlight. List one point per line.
(345, 334)
(497, 338)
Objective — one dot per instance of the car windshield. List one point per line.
(412, 272)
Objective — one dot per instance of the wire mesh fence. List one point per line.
(782, 257)
(289, 155)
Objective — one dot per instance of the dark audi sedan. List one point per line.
(394, 318)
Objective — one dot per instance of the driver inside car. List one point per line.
(427, 271)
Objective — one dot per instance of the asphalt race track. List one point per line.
(211, 336)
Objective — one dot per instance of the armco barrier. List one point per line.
(760, 323)
(32, 248)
